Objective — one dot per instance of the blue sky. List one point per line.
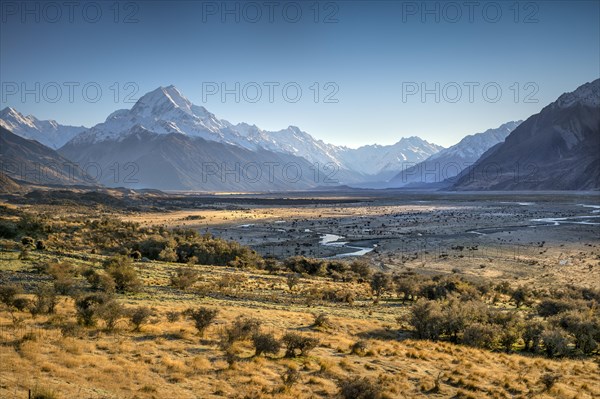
(371, 61)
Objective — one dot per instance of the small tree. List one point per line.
(184, 278)
(87, 308)
(139, 316)
(292, 281)
(111, 312)
(407, 287)
(427, 319)
(265, 343)
(556, 343)
(8, 292)
(520, 296)
(380, 283)
(202, 317)
(120, 268)
(298, 345)
(45, 300)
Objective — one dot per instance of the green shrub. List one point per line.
(125, 276)
(184, 278)
(427, 319)
(481, 335)
(556, 343)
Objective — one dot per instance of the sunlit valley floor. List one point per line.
(477, 249)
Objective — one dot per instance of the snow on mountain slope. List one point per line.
(378, 159)
(449, 162)
(165, 110)
(471, 147)
(49, 133)
(162, 111)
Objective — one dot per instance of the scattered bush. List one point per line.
(298, 345)
(322, 321)
(556, 343)
(532, 335)
(202, 317)
(27, 241)
(87, 308)
(139, 316)
(427, 319)
(22, 304)
(292, 280)
(265, 343)
(111, 312)
(45, 300)
(548, 380)
(120, 268)
(99, 281)
(43, 393)
(290, 377)
(361, 388)
(551, 307)
(8, 292)
(8, 229)
(481, 335)
(241, 329)
(172, 316)
(184, 278)
(359, 348)
(380, 283)
(521, 296)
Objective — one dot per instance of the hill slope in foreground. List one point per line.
(169, 359)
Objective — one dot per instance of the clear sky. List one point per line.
(370, 61)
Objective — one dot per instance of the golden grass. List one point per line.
(170, 360)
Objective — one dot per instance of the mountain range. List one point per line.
(166, 142)
(556, 149)
(28, 161)
(441, 167)
(49, 133)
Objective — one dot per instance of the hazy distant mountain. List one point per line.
(384, 161)
(166, 111)
(49, 133)
(29, 161)
(556, 149)
(449, 162)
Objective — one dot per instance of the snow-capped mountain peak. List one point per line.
(162, 100)
(49, 132)
(166, 110)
